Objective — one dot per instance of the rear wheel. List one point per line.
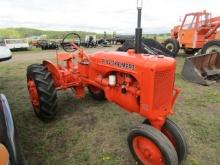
(42, 91)
(149, 146)
(211, 46)
(96, 93)
(172, 45)
(176, 137)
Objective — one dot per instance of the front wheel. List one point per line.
(150, 147)
(176, 137)
(42, 91)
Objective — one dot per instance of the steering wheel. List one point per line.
(71, 42)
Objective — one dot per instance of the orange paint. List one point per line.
(147, 151)
(33, 92)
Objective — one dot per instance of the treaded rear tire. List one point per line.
(175, 45)
(210, 44)
(160, 140)
(46, 91)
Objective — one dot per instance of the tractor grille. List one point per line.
(163, 89)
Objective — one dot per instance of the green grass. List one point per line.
(28, 32)
(91, 132)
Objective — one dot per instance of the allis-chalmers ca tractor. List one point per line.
(140, 83)
(197, 31)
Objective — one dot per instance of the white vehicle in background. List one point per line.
(15, 44)
(5, 53)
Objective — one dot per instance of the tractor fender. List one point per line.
(54, 70)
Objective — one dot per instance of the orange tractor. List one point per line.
(139, 83)
(197, 31)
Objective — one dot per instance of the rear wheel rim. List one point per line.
(33, 94)
(147, 151)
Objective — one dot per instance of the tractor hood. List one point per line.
(131, 62)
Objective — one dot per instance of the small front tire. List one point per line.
(150, 146)
(176, 137)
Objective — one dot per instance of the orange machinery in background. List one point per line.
(198, 30)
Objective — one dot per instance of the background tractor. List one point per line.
(197, 31)
(138, 83)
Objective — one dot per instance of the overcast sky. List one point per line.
(99, 15)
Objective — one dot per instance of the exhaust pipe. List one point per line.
(138, 30)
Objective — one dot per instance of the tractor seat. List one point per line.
(64, 56)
